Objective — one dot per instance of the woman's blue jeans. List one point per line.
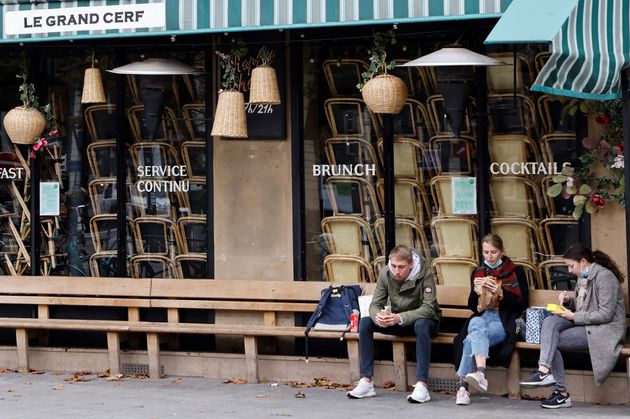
(484, 332)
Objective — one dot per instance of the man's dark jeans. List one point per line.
(423, 329)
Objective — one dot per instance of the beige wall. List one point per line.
(253, 229)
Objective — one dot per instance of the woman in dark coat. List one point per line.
(491, 333)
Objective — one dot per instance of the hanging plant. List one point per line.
(382, 92)
(24, 123)
(264, 83)
(230, 119)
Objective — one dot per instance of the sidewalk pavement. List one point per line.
(51, 395)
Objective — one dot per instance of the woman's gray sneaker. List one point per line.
(539, 379)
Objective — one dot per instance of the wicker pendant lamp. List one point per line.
(93, 91)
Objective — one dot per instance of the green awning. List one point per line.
(207, 16)
(531, 21)
(590, 52)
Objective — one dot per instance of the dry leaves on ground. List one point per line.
(236, 381)
(318, 382)
(177, 381)
(58, 387)
(79, 377)
(389, 385)
(261, 395)
(300, 395)
(114, 377)
(36, 372)
(5, 370)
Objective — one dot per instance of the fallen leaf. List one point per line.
(58, 387)
(5, 370)
(36, 372)
(300, 395)
(389, 384)
(28, 383)
(324, 382)
(176, 381)
(236, 381)
(57, 373)
(296, 384)
(261, 395)
(114, 377)
(77, 377)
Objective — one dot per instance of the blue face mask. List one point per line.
(496, 264)
(584, 273)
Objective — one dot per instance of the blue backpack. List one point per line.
(333, 310)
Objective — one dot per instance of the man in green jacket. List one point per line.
(404, 304)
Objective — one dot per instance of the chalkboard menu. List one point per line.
(264, 122)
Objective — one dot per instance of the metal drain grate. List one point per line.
(130, 368)
(444, 384)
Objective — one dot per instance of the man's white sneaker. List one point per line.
(463, 397)
(420, 394)
(363, 389)
(477, 380)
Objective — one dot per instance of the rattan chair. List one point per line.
(349, 235)
(351, 151)
(453, 156)
(554, 117)
(168, 131)
(347, 269)
(441, 191)
(151, 266)
(533, 275)
(105, 265)
(153, 153)
(194, 157)
(350, 195)
(101, 122)
(102, 159)
(515, 196)
(558, 206)
(522, 238)
(512, 114)
(412, 160)
(343, 75)
(453, 271)
(501, 78)
(191, 266)
(410, 200)
(541, 59)
(408, 232)
(103, 195)
(512, 149)
(556, 274)
(195, 120)
(559, 149)
(350, 117)
(377, 265)
(560, 234)
(192, 232)
(456, 237)
(156, 236)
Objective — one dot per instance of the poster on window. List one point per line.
(49, 198)
(464, 196)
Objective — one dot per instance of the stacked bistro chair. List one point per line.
(156, 244)
(168, 131)
(350, 117)
(541, 59)
(512, 114)
(351, 150)
(501, 78)
(455, 237)
(453, 155)
(342, 76)
(192, 260)
(554, 117)
(408, 232)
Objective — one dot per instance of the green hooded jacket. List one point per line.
(414, 299)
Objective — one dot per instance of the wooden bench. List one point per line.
(270, 298)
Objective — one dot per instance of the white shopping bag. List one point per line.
(364, 305)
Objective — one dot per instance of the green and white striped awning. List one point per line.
(207, 16)
(590, 52)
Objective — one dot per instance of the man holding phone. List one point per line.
(404, 304)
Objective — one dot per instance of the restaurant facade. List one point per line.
(135, 185)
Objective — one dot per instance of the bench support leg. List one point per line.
(513, 377)
(153, 347)
(251, 358)
(21, 338)
(400, 366)
(113, 349)
(354, 359)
